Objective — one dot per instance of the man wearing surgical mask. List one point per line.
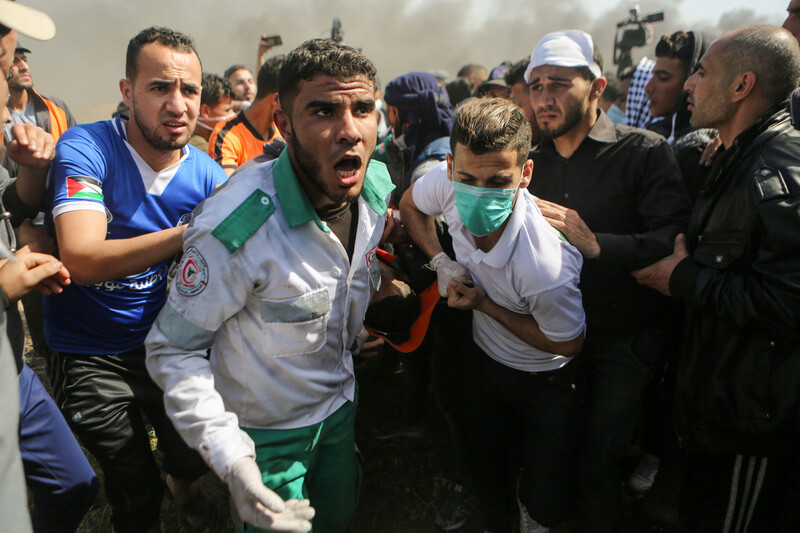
(520, 278)
(216, 105)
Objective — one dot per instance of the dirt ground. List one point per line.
(405, 479)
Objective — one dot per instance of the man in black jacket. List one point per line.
(616, 193)
(738, 392)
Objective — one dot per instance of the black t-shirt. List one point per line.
(343, 222)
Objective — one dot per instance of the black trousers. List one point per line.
(739, 493)
(618, 372)
(515, 419)
(104, 398)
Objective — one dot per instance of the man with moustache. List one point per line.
(244, 87)
(27, 105)
(616, 194)
(278, 270)
(120, 190)
(738, 388)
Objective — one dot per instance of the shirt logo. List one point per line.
(192, 273)
(370, 256)
(79, 187)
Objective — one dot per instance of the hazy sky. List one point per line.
(85, 60)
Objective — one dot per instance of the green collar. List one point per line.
(297, 208)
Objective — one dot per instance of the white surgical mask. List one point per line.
(209, 122)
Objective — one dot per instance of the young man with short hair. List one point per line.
(241, 138)
(278, 271)
(616, 193)
(216, 105)
(120, 190)
(521, 281)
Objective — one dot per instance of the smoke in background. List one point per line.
(86, 59)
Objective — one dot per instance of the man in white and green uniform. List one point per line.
(278, 269)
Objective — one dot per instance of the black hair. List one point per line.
(680, 46)
(214, 89)
(233, 68)
(320, 56)
(267, 81)
(516, 74)
(393, 316)
(156, 34)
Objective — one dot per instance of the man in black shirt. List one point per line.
(616, 194)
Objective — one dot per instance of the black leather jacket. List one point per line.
(739, 378)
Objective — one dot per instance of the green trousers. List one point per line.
(318, 462)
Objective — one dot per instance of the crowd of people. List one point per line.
(579, 266)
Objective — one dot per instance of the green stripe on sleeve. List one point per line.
(243, 222)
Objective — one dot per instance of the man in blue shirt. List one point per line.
(120, 189)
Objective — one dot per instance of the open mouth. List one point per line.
(175, 126)
(347, 168)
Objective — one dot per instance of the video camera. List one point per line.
(633, 32)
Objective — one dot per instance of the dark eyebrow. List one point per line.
(493, 176)
(551, 78)
(162, 83)
(333, 103)
(169, 83)
(365, 101)
(322, 103)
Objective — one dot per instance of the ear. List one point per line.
(742, 86)
(598, 86)
(449, 167)
(205, 110)
(527, 174)
(281, 120)
(126, 90)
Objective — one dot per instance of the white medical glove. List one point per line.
(259, 506)
(446, 270)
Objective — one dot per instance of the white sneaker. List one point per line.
(528, 524)
(643, 475)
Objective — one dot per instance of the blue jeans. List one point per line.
(57, 472)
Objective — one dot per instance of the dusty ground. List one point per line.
(405, 480)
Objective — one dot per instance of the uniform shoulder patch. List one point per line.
(192, 275)
(770, 184)
(243, 221)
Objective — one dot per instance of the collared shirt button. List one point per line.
(719, 259)
(265, 200)
(566, 195)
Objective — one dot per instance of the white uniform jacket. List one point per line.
(270, 290)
